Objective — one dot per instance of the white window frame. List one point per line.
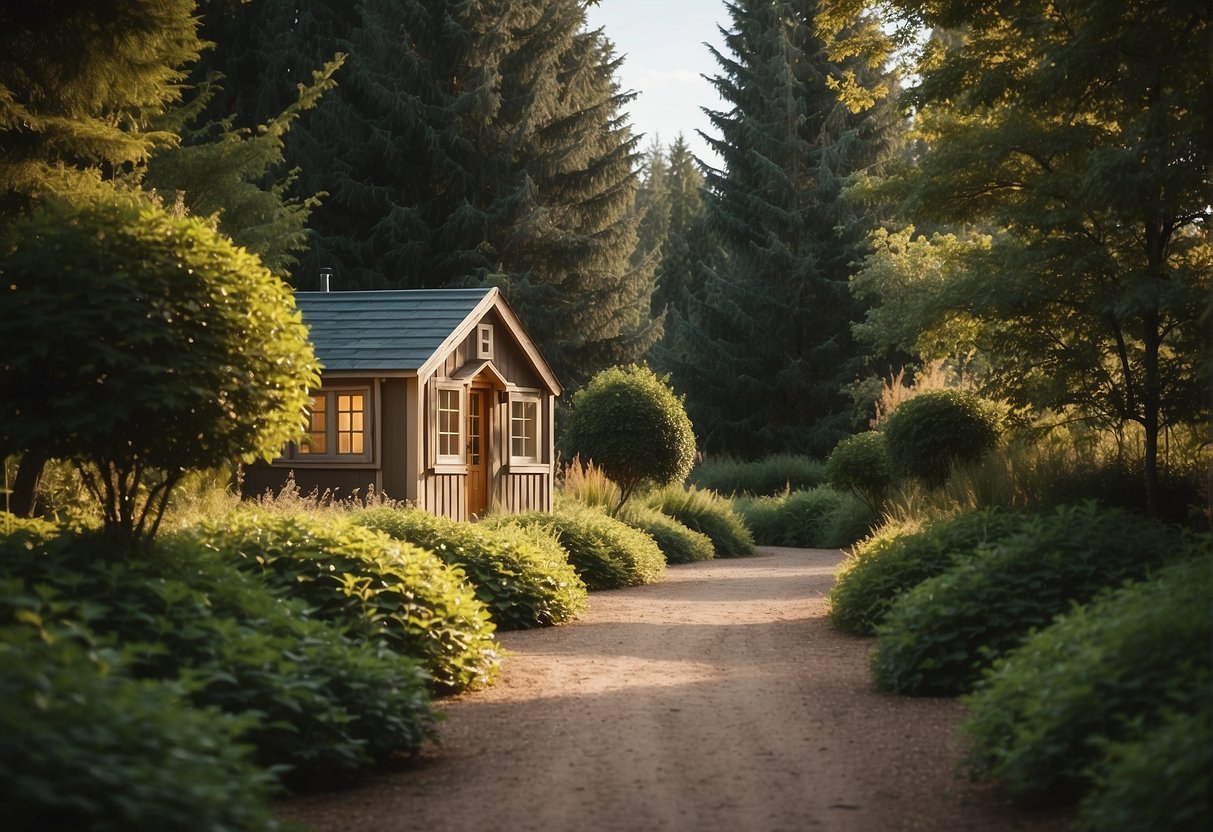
(295, 452)
(484, 341)
(459, 457)
(535, 400)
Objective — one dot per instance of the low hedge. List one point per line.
(677, 543)
(522, 584)
(85, 746)
(898, 558)
(327, 707)
(1041, 719)
(707, 513)
(370, 585)
(770, 475)
(939, 636)
(607, 553)
(821, 518)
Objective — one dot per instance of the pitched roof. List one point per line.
(407, 329)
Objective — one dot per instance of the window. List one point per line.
(524, 430)
(338, 425)
(484, 341)
(450, 421)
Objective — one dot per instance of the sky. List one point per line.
(665, 57)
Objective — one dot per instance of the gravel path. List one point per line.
(720, 699)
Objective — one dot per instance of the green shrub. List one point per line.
(820, 518)
(84, 746)
(928, 434)
(860, 464)
(677, 543)
(899, 557)
(628, 422)
(522, 584)
(28, 531)
(1042, 716)
(607, 553)
(1162, 782)
(705, 512)
(938, 637)
(370, 585)
(770, 475)
(329, 707)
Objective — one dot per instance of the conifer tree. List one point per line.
(767, 349)
(685, 246)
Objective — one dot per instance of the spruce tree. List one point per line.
(766, 348)
(685, 246)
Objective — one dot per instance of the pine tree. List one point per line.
(685, 245)
(766, 349)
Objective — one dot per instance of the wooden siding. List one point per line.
(445, 495)
(509, 359)
(518, 493)
(393, 429)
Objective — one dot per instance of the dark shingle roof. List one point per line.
(386, 330)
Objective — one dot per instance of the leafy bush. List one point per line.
(1162, 781)
(861, 464)
(938, 637)
(705, 512)
(607, 553)
(1106, 672)
(84, 746)
(762, 477)
(677, 543)
(629, 423)
(328, 707)
(370, 585)
(27, 531)
(820, 518)
(522, 584)
(933, 431)
(900, 556)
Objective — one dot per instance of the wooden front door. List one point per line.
(478, 451)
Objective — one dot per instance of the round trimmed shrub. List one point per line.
(84, 746)
(899, 557)
(860, 464)
(930, 433)
(707, 513)
(522, 584)
(370, 585)
(677, 543)
(1164, 780)
(1042, 718)
(607, 553)
(940, 635)
(629, 423)
(327, 707)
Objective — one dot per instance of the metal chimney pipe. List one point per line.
(325, 276)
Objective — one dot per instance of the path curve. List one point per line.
(720, 699)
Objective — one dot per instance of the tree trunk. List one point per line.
(24, 498)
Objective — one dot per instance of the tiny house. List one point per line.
(435, 396)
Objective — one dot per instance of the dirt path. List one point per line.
(720, 699)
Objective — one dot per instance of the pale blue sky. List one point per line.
(665, 57)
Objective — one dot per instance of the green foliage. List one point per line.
(772, 474)
(522, 584)
(707, 513)
(629, 423)
(171, 325)
(85, 746)
(1041, 719)
(819, 518)
(678, 543)
(1162, 781)
(326, 707)
(371, 586)
(607, 553)
(587, 484)
(932, 432)
(861, 464)
(899, 557)
(26, 531)
(937, 637)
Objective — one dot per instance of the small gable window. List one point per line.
(484, 341)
